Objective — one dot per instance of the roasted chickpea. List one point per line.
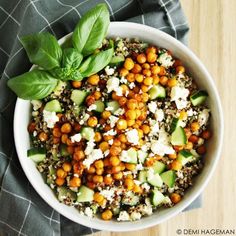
(75, 182)
(129, 64)
(93, 79)
(107, 215)
(76, 84)
(136, 69)
(141, 58)
(43, 137)
(151, 57)
(124, 72)
(92, 121)
(121, 124)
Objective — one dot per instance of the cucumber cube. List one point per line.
(155, 180)
(113, 105)
(168, 178)
(87, 133)
(99, 106)
(85, 194)
(158, 167)
(36, 154)
(142, 176)
(117, 60)
(199, 97)
(178, 137)
(63, 193)
(184, 157)
(157, 91)
(175, 123)
(53, 106)
(157, 198)
(142, 156)
(78, 96)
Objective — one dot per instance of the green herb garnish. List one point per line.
(55, 63)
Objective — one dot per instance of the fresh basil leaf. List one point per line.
(71, 58)
(43, 50)
(66, 74)
(96, 62)
(35, 84)
(75, 75)
(91, 30)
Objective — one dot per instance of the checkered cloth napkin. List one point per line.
(22, 211)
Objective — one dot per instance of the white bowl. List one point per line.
(196, 69)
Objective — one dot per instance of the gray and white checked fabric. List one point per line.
(22, 211)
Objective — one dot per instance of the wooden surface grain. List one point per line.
(213, 39)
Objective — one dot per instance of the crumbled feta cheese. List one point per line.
(159, 115)
(126, 93)
(92, 107)
(88, 212)
(154, 127)
(152, 106)
(147, 210)
(89, 148)
(110, 132)
(93, 156)
(124, 156)
(50, 118)
(139, 167)
(112, 121)
(110, 142)
(203, 117)
(162, 145)
(171, 190)
(123, 80)
(35, 133)
(109, 71)
(119, 91)
(131, 85)
(165, 60)
(108, 193)
(146, 186)
(200, 141)
(35, 113)
(180, 174)
(109, 108)
(75, 138)
(84, 118)
(135, 216)
(179, 95)
(36, 104)
(119, 112)
(112, 84)
(137, 182)
(81, 122)
(190, 112)
(106, 153)
(123, 216)
(132, 136)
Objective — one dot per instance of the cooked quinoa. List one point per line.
(126, 141)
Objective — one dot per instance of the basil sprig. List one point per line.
(96, 62)
(35, 84)
(91, 30)
(71, 61)
(43, 50)
(67, 63)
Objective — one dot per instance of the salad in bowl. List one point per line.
(118, 127)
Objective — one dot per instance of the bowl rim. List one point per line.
(178, 208)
